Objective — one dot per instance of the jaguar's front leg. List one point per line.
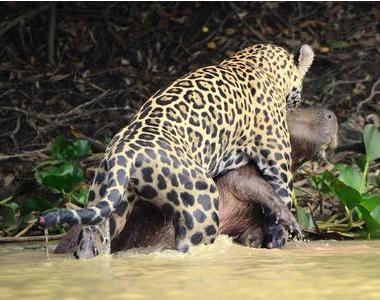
(274, 233)
(273, 159)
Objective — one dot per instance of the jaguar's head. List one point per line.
(305, 60)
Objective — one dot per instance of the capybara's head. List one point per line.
(312, 132)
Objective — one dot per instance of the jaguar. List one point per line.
(208, 122)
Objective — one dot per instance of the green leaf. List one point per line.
(62, 178)
(372, 204)
(12, 205)
(320, 183)
(370, 201)
(351, 177)
(360, 162)
(373, 224)
(65, 150)
(349, 196)
(327, 182)
(80, 197)
(371, 137)
(375, 213)
(8, 213)
(81, 148)
(60, 148)
(339, 167)
(304, 218)
(35, 204)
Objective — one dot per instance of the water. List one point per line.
(46, 232)
(316, 270)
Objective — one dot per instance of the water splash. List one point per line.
(104, 230)
(277, 217)
(107, 239)
(222, 245)
(47, 243)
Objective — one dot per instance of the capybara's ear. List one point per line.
(305, 59)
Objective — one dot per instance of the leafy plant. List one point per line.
(8, 213)
(352, 188)
(61, 175)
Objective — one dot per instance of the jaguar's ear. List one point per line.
(305, 59)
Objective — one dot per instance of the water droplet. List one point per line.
(47, 242)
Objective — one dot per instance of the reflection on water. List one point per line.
(316, 270)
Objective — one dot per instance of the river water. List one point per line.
(314, 270)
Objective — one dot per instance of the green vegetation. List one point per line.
(352, 186)
(61, 176)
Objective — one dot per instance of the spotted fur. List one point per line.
(211, 120)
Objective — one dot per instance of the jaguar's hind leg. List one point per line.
(196, 221)
(120, 217)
